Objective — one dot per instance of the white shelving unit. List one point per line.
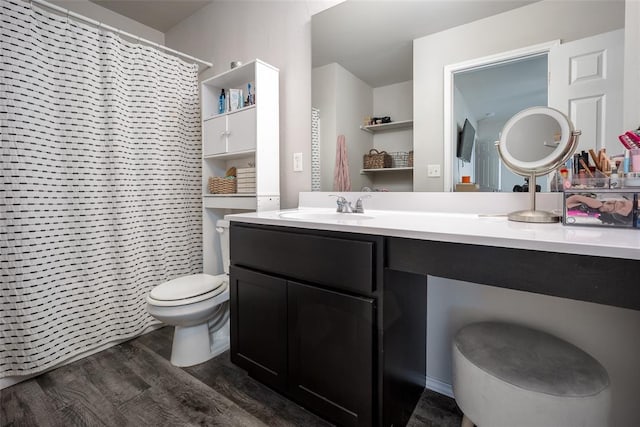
(402, 124)
(387, 135)
(242, 138)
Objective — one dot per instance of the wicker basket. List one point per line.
(218, 185)
(376, 159)
(410, 162)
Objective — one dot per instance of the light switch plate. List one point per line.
(433, 171)
(297, 162)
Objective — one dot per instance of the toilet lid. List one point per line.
(187, 287)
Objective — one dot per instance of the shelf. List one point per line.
(364, 171)
(230, 201)
(248, 107)
(402, 124)
(230, 156)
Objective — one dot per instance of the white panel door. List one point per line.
(585, 83)
(214, 136)
(242, 130)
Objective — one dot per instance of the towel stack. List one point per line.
(246, 178)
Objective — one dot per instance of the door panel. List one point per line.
(214, 136)
(242, 130)
(259, 325)
(331, 352)
(585, 83)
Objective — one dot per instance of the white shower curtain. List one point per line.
(101, 184)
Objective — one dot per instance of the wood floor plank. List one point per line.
(115, 381)
(270, 407)
(78, 401)
(25, 404)
(134, 384)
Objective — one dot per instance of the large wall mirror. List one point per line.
(432, 66)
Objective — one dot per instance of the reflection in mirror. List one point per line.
(534, 138)
(360, 71)
(535, 142)
(365, 53)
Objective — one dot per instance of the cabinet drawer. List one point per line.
(335, 262)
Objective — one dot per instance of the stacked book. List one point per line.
(246, 179)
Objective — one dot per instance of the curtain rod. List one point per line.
(118, 31)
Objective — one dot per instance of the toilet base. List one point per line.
(193, 345)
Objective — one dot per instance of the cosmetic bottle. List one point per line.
(250, 98)
(221, 102)
(613, 178)
(626, 166)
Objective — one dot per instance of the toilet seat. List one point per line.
(188, 290)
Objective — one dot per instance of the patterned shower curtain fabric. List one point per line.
(101, 185)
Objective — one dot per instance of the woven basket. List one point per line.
(410, 162)
(218, 185)
(376, 159)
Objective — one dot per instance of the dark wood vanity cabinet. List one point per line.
(308, 319)
(331, 353)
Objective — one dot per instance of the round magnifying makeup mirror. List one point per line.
(535, 142)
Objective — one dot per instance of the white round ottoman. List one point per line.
(506, 375)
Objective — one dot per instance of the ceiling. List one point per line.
(374, 39)
(161, 15)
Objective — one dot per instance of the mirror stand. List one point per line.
(533, 215)
(535, 142)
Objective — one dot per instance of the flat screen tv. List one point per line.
(465, 141)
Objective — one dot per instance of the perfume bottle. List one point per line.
(222, 102)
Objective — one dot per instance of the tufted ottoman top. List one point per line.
(531, 359)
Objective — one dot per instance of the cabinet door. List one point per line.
(214, 135)
(259, 325)
(242, 130)
(330, 353)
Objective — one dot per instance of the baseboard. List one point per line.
(9, 381)
(439, 387)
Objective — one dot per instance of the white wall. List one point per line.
(354, 99)
(343, 100)
(536, 23)
(278, 32)
(395, 101)
(101, 14)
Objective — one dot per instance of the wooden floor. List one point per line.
(133, 384)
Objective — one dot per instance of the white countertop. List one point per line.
(466, 228)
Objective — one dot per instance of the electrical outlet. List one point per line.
(297, 162)
(433, 171)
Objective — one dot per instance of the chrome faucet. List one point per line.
(359, 208)
(344, 206)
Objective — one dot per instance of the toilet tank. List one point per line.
(222, 227)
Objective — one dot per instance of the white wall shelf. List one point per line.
(229, 112)
(231, 155)
(402, 124)
(404, 169)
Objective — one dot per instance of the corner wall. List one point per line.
(279, 33)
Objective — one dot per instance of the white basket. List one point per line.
(399, 159)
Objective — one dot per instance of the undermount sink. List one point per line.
(324, 216)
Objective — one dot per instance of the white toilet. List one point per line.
(198, 307)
